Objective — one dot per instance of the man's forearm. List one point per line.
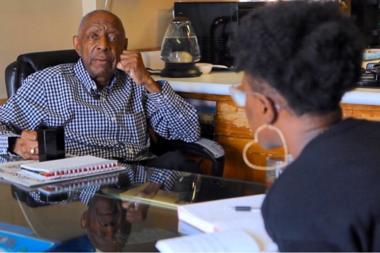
(172, 117)
(152, 86)
(166, 178)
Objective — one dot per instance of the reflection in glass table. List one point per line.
(125, 211)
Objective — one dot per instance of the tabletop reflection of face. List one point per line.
(106, 224)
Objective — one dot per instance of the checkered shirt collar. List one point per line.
(89, 84)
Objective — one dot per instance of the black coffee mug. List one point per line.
(51, 143)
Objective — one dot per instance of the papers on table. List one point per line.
(226, 241)
(221, 219)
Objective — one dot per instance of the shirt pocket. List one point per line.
(133, 128)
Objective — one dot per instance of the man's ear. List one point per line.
(76, 44)
(126, 44)
(83, 220)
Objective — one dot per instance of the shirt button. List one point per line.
(114, 119)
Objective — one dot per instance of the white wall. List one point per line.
(40, 25)
(145, 21)
(35, 25)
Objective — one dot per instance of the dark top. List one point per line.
(329, 198)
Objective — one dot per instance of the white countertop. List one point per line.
(218, 83)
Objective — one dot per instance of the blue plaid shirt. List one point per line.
(108, 123)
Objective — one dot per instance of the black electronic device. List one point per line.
(370, 77)
(366, 14)
(214, 23)
(51, 143)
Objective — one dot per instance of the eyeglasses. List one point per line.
(238, 95)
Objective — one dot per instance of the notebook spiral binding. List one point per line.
(85, 170)
(68, 186)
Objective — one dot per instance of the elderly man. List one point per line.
(106, 101)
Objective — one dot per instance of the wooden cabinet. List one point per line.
(370, 112)
(231, 120)
(232, 132)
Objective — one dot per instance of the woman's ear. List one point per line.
(269, 110)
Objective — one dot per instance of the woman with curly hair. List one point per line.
(299, 58)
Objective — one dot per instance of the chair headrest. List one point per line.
(29, 63)
(32, 62)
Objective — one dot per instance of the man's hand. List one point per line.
(137, 211)
(132, 64)
(26, 146)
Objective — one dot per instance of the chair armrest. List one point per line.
(204, 148)
(211, 146)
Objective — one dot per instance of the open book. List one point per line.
(225, 241)
(222, 215)
(30, 173)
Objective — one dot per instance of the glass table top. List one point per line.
(124, 211)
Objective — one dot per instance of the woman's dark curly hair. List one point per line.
(309, 52)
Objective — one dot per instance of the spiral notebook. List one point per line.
(32, 174)
(68, 167)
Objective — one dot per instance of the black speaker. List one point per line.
(51, 143)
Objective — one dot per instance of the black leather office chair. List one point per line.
(29, 63)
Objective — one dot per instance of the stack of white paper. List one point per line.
(214, 217)
(213, 242)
